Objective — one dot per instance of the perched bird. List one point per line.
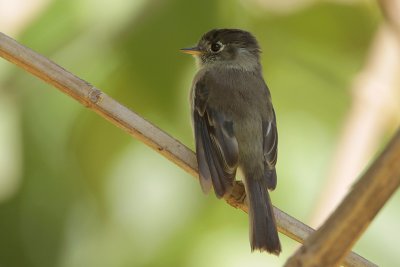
(235, 127)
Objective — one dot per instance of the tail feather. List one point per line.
(263, 230)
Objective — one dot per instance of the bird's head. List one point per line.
(230, 48)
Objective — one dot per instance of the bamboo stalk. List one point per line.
(354, 214)
(139, 128)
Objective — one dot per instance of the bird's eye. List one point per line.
(216, 47)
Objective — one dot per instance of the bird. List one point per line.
(234, 126)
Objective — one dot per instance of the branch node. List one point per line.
(95, 95)
(141, 129)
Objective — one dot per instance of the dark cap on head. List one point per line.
(237, 37)
(233, 48)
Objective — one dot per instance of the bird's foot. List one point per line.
(237, 196)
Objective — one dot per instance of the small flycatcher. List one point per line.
(235, 127)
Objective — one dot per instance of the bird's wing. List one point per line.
(270, 149)
(216, 145)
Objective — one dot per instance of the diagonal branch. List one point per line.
(139, 128)
(354, 214)
(381, 180)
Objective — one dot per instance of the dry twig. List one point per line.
(371, 117)
(355, 213)
(367, 121)
(139, 128)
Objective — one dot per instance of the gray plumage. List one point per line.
(235, 126)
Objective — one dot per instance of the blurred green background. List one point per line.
(77, 191)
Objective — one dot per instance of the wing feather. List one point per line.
(216, 145)
(270, 148)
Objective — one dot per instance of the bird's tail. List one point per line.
(263, 231)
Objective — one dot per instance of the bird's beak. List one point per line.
(191, 50)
